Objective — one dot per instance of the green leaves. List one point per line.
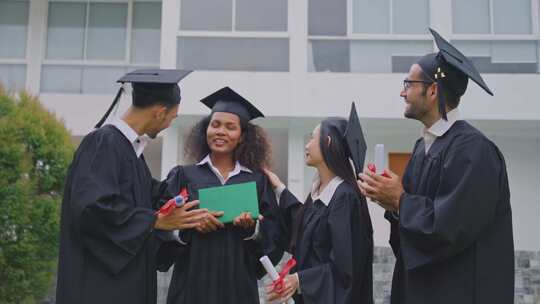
(35, 152)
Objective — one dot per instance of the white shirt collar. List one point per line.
(326, 195)
(138, 142)
(439, 128)
(237, 169)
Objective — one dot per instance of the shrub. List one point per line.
(35, 152)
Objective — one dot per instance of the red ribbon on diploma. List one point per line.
(372, 168)
(172, 204)
(277, 285)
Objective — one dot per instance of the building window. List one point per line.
(367, 36)
(497, 35)
(146, 33)
(13, 76)
(501, 56)
(233, 15)
(471, 17)
(90, 44)
(106, 31)
(390, 16)
(13, 37)
(234, 35)
(366, 56)
(492, 17)
(238, 54)
(327, 18)
(261, 15)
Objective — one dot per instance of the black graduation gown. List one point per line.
(107, 241)
(453, 239)
(333, 247)
(220, 266)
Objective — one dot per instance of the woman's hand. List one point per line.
(274, 179)
(210, 222)
(244, 220)
(290, 285)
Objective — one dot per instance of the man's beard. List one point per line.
(415, 111)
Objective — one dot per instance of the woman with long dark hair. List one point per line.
(330, 235)
(220, 263)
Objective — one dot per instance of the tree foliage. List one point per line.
(35, 152)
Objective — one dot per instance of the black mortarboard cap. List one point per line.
(355, 140)
(149, 87)
(450, 69)
(227, 100)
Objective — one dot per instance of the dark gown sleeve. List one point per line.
(270, 229)
(171, 248)
(289, 207)
(393, 217)
(111, 228)
(332, 282)
(159, 193)
(432, 230)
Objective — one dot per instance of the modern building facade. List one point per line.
(297, 60)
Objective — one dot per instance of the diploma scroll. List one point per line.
(379, 158)
(379, 165)
(173, 203)
(272, 272)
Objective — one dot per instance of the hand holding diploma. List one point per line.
(385, 190)
(173, 203)
(290, 285)
(378, 166)
(181, 217)
(283, 285)
(381, 185)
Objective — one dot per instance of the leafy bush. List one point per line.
(35, 152)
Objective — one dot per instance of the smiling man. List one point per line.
(451, 221)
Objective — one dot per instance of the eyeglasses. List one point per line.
(408, 83)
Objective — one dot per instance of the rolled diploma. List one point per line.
(272, 272)
(379, 158)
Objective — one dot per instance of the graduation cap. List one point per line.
(450, 69)
(355, 140)
(150, 87)
(227, 100)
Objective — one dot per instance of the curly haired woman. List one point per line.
(219, 263)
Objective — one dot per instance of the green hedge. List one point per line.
(35, 152)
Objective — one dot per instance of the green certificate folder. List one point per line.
(231, 199)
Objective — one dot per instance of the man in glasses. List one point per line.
(451, 221)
